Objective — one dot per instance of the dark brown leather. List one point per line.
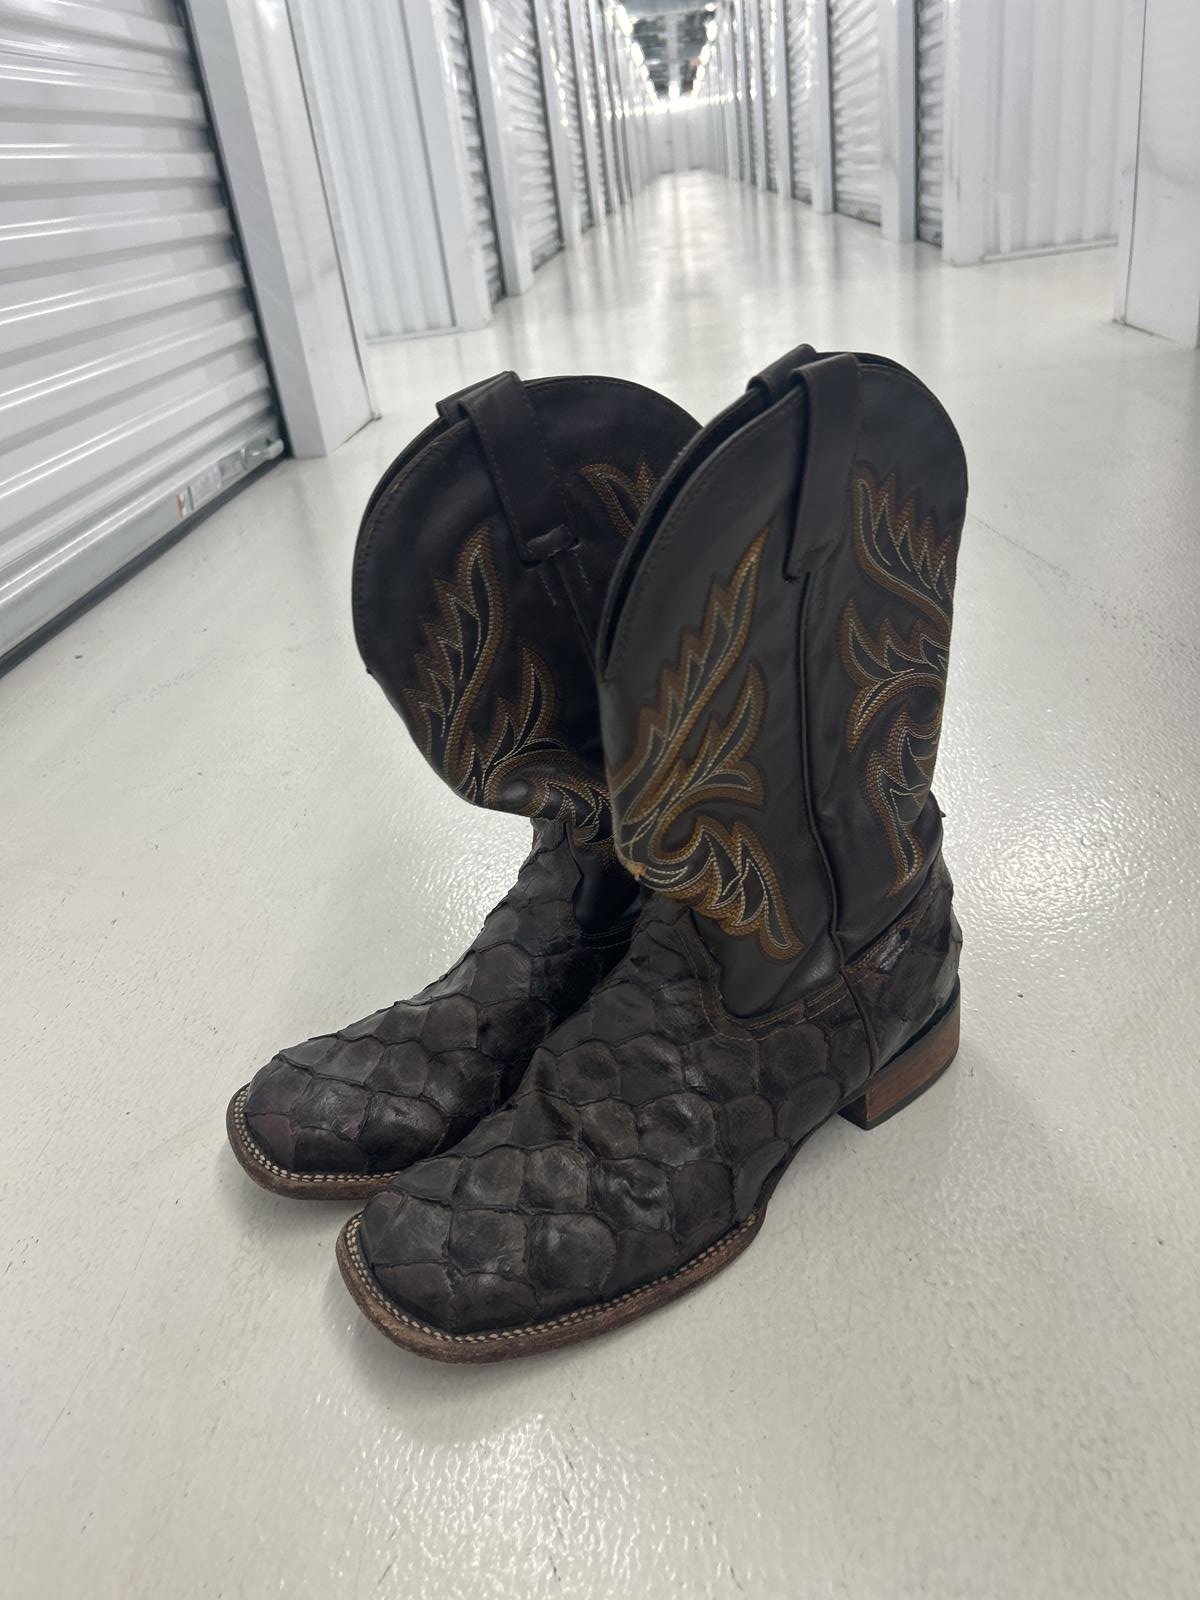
(814, 638)
(482, 562)
(476, 572)
(411, 1079)
(882, 605)
(657, 1117)
(648, 1125)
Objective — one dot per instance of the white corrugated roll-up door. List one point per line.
(483, 216)
(798, 22)
(931, 77)
(574, 104)
(766, 52)
(854, 72)
(607, 28)
(134, 388)
(592, 92)
(735, 63)
(525, 109)
(748, 41)
(594, 109)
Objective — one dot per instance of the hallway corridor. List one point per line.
(961, 1360)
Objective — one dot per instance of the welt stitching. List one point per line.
(529, 1329)
(256, 1155)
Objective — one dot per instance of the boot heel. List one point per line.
(908, 1074)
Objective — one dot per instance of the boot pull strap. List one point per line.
(773, 382)
(832, 387)
(528, 485)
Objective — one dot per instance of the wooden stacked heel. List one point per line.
(908, 1074)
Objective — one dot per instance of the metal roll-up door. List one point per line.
(134, 386)
(525, 111)
(766, 51)
(854, 71)
(748, 40)
(483, 216)
(574, 105)
(931, 40)
(593, 97)
(730, 119)
(616, 98)
(739, 92)
(798, 25)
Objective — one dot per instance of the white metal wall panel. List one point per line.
(133, 387)
(1158, 284)
(520, 62)
(482, 212)
(574, 104)
(799, 76)
(854, 69)
(1032, 93)
(931, 79)
(366, 90)
(1052, 163)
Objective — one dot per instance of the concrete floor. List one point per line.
(962, 1360)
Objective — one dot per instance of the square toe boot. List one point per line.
(482, 564)
(773, 662)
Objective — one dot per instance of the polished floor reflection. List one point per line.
(960, 1361)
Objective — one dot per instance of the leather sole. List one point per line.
(268, 1174)
(916, 1068)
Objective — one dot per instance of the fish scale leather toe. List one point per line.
(411, 1079)
(646, 1127)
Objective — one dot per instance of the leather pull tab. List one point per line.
(773, 382)
(520, 466)
(832, 388)
(452, 410)
(529, 489)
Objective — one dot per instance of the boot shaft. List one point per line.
(877, 650)
(482, 563)
(773, 668)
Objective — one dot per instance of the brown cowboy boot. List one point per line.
(482, 564)
(773, 661)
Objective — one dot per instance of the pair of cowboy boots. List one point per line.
(710, 665)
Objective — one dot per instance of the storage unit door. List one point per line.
(573, 104)
(134, 388)
(739, 92)
(766, 50)
(606, 28)
(592, 94)
(483, 217)
(799, 77)
(854, 70)
(931, 39)
(730, 120)
(748, 39)
(525, 111)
